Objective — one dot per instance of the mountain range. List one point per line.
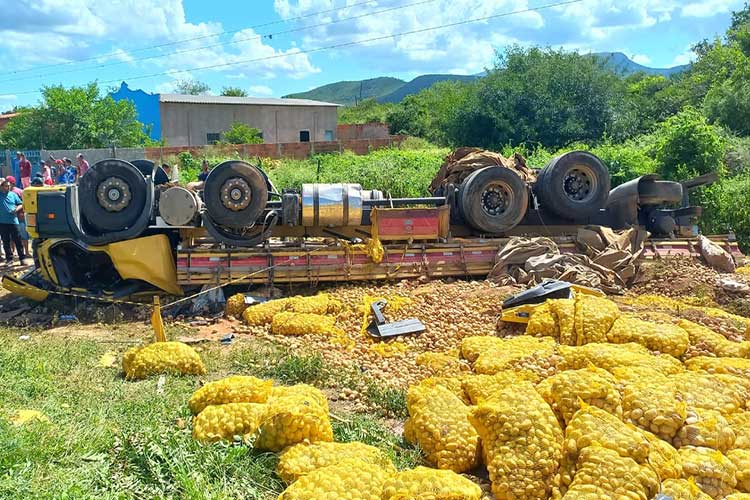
(392, 90)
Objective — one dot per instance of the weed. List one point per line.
(269, 361)
(372, 431)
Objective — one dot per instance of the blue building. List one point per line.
(146, 108)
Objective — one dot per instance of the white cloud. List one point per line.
(260, 90)
(236, 76)
(709, 8)
(8, 97)
(641, 59)
(685, 58)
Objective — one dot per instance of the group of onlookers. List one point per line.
(53, 171)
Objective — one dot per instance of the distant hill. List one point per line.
(422, 82)
(623, 65)
(348, 93)
(386, 89)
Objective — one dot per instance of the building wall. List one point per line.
(372, 130)
(187, 124)
(146, 108)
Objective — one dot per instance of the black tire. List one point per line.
(493, 199)
(146, 167)
(240, 178)
(659, 192)
(573, 185)
(112, 214)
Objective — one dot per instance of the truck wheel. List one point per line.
(112, 195)
(659, 192)
(235, 194)
(146, 167)
(493, 199)
(573, 185)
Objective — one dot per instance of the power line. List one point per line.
(202, 37)
(229, 42)
(341, 45)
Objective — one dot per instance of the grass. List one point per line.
(112, 439)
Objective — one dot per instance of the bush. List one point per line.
(686, 146)
(240, 133)
(726, 207)
(625, 161)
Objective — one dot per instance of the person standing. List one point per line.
(47, 173)
(70, 173)
(83, 166)
(21, 219)
(10, 205)
(24, 166)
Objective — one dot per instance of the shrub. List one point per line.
(240, 133)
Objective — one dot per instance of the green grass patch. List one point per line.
(114, 439)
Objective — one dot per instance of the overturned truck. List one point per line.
(125, 229)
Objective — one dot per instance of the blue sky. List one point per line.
(73, 42)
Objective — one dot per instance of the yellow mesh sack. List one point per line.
(321, 303)
(610, 356)
(442, 363)
(522, 442)
(234, 389)
(409, 434)
(440, 427)
(663, 457)
(682, 489)
(472, 347)
(291, 323)
(713, 472)
(262, 314)
(602, 474)
(738, 496)
(730, 366)
(740, 424)
(635, 374)
(161, 357)
(654, 404)
(235, 305)
(453, 384)
(542, 323)
(707, 428)
(594, 317)
(303, 458)
(713, 342)
(481, 387)
(741, 460)
(591, 385)
(511, 350)
(702, 390)
(303, 390)
(592, 425)
(228, 421)
(291, 420)
(347, 480)
(564, 312)
(422, 483)
(665, 338)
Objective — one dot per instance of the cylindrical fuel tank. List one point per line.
(179, 206)
(331, 205)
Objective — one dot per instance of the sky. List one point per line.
(277, 47)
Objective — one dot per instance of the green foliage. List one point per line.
(544, 96)
(371, 431)
(191, 87)
(728, 102)
(737, 159)
(367, 111)
(75, 118)
(726, 207)
(686, 145)
(234, 92)
(625, 161)
(241, 133)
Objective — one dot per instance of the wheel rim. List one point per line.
(496, 198)
(236, 194)
(113, 194)
(579, 184)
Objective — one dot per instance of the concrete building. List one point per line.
(189, 120)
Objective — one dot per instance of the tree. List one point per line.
(75, 118)
(544, 96)
(240, 133)
(686, 145)
(233, 92)
(366, 111)
(191, 87)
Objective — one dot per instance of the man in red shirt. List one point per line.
(24, 166)
(83, 166)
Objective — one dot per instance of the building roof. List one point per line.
(257, 101)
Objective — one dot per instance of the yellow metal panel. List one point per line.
(19, 287)
(149, 259)
(31, 206)
(45, 262)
